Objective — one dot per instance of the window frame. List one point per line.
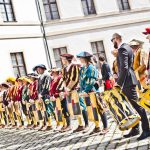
(59, 51)
(122, 4)
(98, 53)
(50, 10)
(6, 11)
(17, 64)
(87, 4)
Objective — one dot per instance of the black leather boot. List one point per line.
(133, 132)
(144, 135)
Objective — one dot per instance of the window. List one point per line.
(6, 10)
(123, 5)
(18, 64)
(57, 53)
(51, 9)
(98, 49)
(88, 7)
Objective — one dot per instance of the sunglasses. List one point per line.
(112, 39)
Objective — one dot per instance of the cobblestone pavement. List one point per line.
(23, 139)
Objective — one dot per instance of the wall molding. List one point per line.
(20, 36)
(103, 26)
(94, 17)
(21, 23)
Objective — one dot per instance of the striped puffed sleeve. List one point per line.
(63, 73)
(60, 86)
(46, 85)
(25, 93)
(74, 76)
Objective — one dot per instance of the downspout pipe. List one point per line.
(44, 34)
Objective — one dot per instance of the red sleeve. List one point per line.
(53, 87)
(33, 91)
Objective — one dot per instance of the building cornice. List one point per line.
(82, 28)
(95, 27)
(97, 16)
(20, 36)
(52, 34)
(21, 23)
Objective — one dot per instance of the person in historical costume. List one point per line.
(147, 33)
(17, 104)
(33, 97)
(60, 92)
(88, 78)
(140, 62)
(70, 75)
(55, 88)
(11, 98)
(44, 98)
(128, 82)
(1, 106)
(4, 121)
(148, 69)
(25, 100)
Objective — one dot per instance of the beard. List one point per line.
(115, 45)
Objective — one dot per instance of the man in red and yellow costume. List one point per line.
(12, 91)
(33, 98)
(140, 61)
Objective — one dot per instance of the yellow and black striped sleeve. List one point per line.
(60, 86)
(74, 76)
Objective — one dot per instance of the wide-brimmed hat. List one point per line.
(147, 31)
(11, 79)
(39, 66)
(84, 54)
(135, 42)
(33, 75)
(67, 56)
(55, 70)
(5, 84)
(26, 79)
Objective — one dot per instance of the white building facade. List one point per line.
(21, 41)
(69, 26)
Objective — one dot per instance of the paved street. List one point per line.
(34, 140)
